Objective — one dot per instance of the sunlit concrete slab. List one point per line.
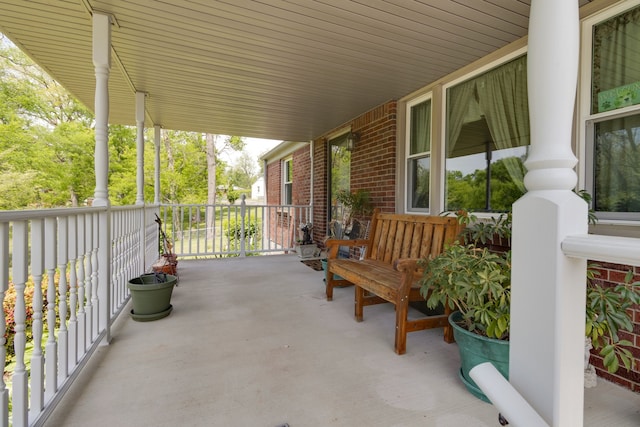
(253, 342)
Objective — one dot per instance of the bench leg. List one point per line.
(402, 308)
(329, 286)
(359, 300)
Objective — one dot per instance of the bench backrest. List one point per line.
(395, 236)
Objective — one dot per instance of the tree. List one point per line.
(46, 140)
(215, 145)
(245, 171)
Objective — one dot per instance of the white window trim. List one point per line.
(585, 120)
(284, 180)
(443, 153)
(407, 152)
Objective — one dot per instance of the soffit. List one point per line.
(276, 69)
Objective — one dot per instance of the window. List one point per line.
(339, 174)
(287, 181)
(419, 155)
(487, 125)
(613, 123)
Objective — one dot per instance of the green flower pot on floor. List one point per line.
(151, 296)
(476, 349)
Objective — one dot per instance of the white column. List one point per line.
(156, 169)
(102, 64)
(548, 288)
(140, 97)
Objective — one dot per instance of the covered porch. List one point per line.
(253, 342)
(344, 370)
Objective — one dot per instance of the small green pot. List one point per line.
(476, 349)
(151, 296)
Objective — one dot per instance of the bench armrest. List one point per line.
(409, 267)
(406, 264)
(334, 244)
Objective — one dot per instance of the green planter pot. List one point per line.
(151, 296)
(475, 349)
(324, 268)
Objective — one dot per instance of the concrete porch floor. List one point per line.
(253, 342)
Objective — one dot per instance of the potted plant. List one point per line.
(151, 296)
(474, 279)
(168, 261)
(356, 207)
(304, 244)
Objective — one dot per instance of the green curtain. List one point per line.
(502, 95)
(420, 141)
(460, 105)
(616, 54)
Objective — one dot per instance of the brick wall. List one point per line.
(373, 163)
(284, 224)
(610, 275)
(274, 183)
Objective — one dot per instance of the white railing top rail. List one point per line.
(22, 215)
(619, 250)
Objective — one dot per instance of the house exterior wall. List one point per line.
(373, 163)
(284, 223)
(274, 183)
(378, 165)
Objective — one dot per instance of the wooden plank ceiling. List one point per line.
(277, 69)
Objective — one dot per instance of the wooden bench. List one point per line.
(388, 271)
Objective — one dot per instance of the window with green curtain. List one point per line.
(487, 139)
(419, 158)
(615, 85)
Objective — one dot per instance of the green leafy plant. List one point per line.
(473, 278)
(474, 281)
(607, 314)
(357, 205)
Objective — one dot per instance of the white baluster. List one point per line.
(82, 346)
(37, 358)
(51, 348)
(94, 284)
(4, 285)
(88, 274)
(63, 352)
(20, 395)
(73, 295)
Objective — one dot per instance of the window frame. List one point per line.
(408, 200)
(287, 165)
(587, 121)
(443, 123)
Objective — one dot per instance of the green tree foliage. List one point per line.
(46, 143)
(47, 146)
(244, 172)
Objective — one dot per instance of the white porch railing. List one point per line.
(67, 271)
(200, 230)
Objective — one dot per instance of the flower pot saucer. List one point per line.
(150, 317)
